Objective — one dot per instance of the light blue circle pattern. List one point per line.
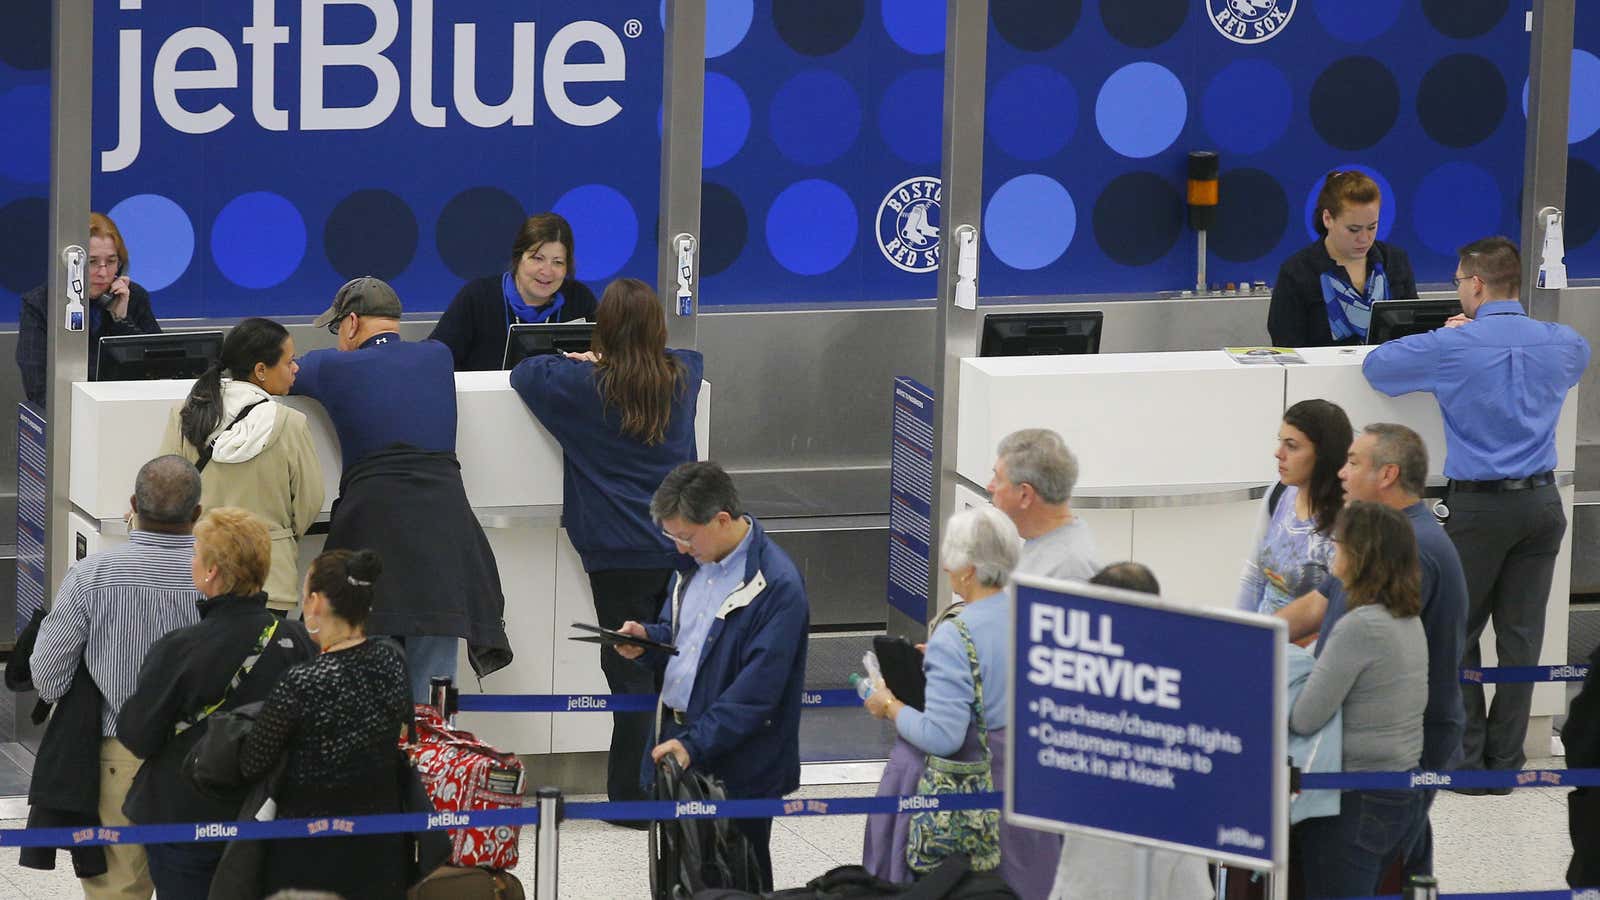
(815, 117)
(812, 227)
(1456, 203)
(24, 156)
(1583, 103)
(258, 240)
(727, 23)
(1356, 21)
(1247, 105)
(1032, 112)
(908, 116)
(727, 120)
(160, 238)
(1030, 221)
(916, 25)
(609, 226)
(1141, 109)
(1386, 216)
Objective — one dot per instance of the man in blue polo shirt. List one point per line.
(393, 404)
(1500, 378)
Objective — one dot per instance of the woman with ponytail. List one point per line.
(334, 723)
(623, 413)
(253, 453)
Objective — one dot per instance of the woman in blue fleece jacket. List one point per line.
(624, 416)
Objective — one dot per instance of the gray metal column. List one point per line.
(682, 115)
(961, 176)
(1544, 179)
(71, 148)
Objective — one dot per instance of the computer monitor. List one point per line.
(1397, 318)
(151, 357)
(1041, 333)
(524, 341)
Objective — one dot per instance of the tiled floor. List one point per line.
(1511, 843)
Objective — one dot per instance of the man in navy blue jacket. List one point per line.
(393, 404)
(731, 697)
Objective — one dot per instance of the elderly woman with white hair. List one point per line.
(966, 701)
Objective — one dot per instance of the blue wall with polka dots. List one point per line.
(257, 217)
(843, 100)
(821, 145)
(1583, 162)
(1093, 107)
(24, 150)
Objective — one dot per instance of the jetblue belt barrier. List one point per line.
(834, 699)
(199, 832)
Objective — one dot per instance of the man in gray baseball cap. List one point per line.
(364, 307)
(393, 404)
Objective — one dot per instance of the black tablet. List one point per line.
(611, 636)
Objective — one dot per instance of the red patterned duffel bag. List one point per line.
(462, 774)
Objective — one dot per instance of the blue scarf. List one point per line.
(522, 312)
(1349, 310)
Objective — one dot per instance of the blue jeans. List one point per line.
(183, 871)
(428, 655)
(1418, 847)
(1344, 855)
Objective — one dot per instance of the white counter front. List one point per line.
(511, 467)
(1175, 450)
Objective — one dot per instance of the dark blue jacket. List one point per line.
(609, 477)
(387, 392)
(475, 324)
(744, 711)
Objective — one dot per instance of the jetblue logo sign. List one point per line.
(208, 93)
(1250, 21)
(908, 224)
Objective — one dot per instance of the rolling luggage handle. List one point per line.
(445, 698)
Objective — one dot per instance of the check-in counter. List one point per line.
(511, 468)
(1175, 453)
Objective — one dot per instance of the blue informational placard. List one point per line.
(33, 510)
(911, 498)
(1140, 720)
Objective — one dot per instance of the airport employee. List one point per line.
(731, 697)
(1500, 378)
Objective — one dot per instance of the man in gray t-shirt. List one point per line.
(1034, 474)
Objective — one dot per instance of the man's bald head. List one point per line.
(166, 494)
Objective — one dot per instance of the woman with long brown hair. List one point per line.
(1374, 669)
(623, 413)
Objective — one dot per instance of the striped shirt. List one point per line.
(111, 607)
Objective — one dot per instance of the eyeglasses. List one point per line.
(110, 262)
(1457, 281)
(676, 539)
(333, 327)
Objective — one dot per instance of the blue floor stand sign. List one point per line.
(1143, 720)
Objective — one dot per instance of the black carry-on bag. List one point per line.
(691, 855)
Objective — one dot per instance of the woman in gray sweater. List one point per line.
(1374, 667)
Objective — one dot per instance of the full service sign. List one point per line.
(1142, 721)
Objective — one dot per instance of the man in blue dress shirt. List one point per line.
(1500, 378)
(730, 698)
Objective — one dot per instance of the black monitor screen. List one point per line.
(537, 340)
(1398, 318)
(150, 357)
(1041, 333)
